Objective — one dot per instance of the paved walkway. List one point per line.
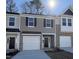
(36, 54)
(68, 49)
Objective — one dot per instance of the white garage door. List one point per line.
(31, 42)
(65, 41)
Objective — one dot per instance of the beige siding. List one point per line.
(39, 28)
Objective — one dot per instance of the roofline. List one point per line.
(65, 10)
(12, 13)
(29, 14)
(36, 14)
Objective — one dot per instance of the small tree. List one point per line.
(34, 6)
(11, 6)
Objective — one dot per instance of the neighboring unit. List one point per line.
(12, 30)
(64, 29)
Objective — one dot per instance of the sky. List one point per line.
(59, 7)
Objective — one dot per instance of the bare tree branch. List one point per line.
(11, 6)
(34, 7)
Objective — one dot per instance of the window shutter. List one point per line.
(26, 21)
(51, 23)
(35, 22)
(44, 22)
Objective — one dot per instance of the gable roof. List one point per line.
(68, 12)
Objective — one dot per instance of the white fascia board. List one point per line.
(12, 32)
(49, 33)
(32, 34)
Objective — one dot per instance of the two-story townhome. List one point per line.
(46, 32)
(64, 29)
(37, 32)
(12, 30)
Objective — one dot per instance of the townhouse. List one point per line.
(35, 32)
(64, 29)
(12, 30)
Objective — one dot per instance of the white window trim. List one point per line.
(46, 23)
(62, 22)
(14, 21)
(66, 21)
(33, 22)
(48, 27)
(71, 21)
(32, 34)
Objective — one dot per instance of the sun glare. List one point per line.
(52, 3)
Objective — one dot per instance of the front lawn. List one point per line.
(59, 55)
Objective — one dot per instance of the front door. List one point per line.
(47, 41)
(12, 43)
(46, 45)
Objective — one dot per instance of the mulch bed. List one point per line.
(10, 55)
(59, 54)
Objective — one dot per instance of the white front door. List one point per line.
(65, 41)
(31, 42)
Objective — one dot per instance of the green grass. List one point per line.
(60, 55)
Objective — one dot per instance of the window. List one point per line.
(69, 22)
(30, 22)
(64, 21)
(11, 21)
(48, 23)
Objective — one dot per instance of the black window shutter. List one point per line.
(44, 23)
(26, 21)
(51, 23)
(35, 22)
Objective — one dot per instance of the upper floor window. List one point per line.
(48, 23)
(30, 22)
(11, 21)
(69, 22)
(64, 21)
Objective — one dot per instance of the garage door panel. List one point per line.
(65, 41)
(31, 42)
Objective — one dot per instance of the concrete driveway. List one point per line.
(30, 54)
(68, 49)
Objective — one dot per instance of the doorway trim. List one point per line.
(48, 34)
